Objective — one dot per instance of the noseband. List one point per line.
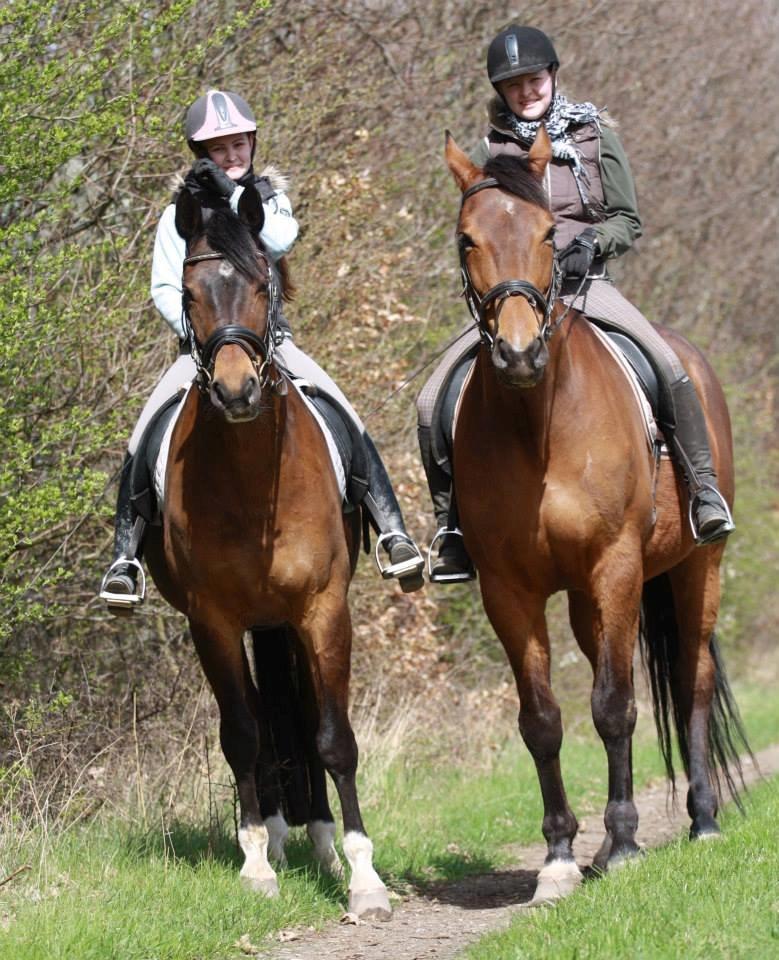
(542, 303)
(259, 349)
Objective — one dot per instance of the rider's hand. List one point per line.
(211, 177)
(575, 259)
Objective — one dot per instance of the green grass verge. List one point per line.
(114, 889)
(716, 899)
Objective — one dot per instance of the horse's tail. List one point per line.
(660, 650)
(287, 720)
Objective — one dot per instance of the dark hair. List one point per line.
(228, 235)
(513, 174)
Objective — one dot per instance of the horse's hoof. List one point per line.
(371, 905)
(625, 858)
(267, 886)
(331, 865)
(707, 835)
(556, 880)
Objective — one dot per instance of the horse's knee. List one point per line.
(541, 727)
(613, 710)
(239, 738)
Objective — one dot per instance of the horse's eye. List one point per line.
(465, 242)
(549, 238)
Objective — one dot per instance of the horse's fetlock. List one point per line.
(621, 818)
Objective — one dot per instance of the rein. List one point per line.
(541, 303)
(259, 349)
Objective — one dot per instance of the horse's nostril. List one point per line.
(218, 392)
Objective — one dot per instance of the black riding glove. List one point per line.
(575, 259)
(211, 178)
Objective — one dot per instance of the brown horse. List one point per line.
(557, 489)
(252, 540)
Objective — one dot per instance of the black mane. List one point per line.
(513, 174)
(227, 234)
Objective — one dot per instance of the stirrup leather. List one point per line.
(127, 600)
(723, 530)
(461, 576)
(405, 567)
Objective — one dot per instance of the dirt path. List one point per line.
(438, 924)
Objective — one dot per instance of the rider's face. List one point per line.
(233, 153)
(529, 95)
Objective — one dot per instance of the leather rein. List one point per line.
(259, 349)
(542, 303)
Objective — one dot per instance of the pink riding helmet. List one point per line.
(218, 113)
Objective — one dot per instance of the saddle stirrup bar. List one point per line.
(463, 576)
(124, 599)
(399, 570)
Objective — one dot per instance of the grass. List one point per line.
(118, 888)
(694, 900)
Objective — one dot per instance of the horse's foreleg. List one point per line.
(223, 658)
(520, 624)
(606, 626)
(330, 634)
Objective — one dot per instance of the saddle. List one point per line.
(347, 438)
(143, 493)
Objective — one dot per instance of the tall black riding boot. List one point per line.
(452, 565)
(119, 588)
(710, 515)
(405, 561)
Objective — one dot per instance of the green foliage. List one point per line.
(86, 88)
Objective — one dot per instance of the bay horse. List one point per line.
(253, 539)
(558, 489)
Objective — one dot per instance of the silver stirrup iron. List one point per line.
(127, 600)
(461, 577)
(723, 531)
(397, 569)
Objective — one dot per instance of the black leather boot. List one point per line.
(120, 586)
(452, 564)
(405, 561)
(710, 515)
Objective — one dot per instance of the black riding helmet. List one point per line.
(518, 50)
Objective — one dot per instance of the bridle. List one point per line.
(259, 349)
(543, 303)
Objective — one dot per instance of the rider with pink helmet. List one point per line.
(220, 129)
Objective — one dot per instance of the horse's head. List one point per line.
(505, 238)
(231, 299)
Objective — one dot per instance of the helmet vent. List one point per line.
(512, 50)
(222, 111)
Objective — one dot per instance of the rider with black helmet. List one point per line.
(220, 129)
(593, 199)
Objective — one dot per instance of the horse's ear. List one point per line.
(189, 215)
(463, 170)
(250, 209)
(540, 153)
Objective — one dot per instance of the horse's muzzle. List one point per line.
(519, 368)
(237, 404)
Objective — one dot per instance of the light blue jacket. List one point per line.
(277, 235)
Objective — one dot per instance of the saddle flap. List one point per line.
(344, 438)
(143, 486)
